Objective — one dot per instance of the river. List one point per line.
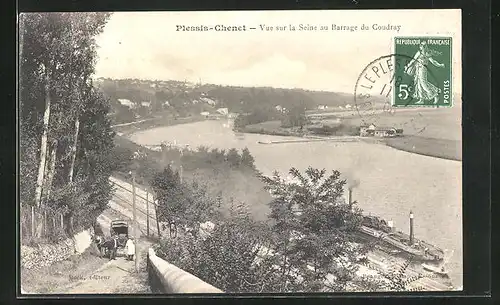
(392, 182)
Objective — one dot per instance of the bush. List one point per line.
(227, 258)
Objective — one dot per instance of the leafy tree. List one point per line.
(167, 187)
(229, 257)
(314, 225)
(295, 117)
(247, 159)
(233, 157)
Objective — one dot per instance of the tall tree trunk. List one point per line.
(51, 169)
(73, 148)
(77, 126)
(43, 148)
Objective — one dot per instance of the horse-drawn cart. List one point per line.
(120, 229)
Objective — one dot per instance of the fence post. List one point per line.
(62, 222)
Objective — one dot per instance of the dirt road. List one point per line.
(119, 276)
(90, 274)
(115, 276)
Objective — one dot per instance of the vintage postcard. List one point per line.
(240, 152)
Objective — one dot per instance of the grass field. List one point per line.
(440, 148)
(237, 184)
(272, 128)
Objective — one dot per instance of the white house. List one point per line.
(222, 111)
(126, 103)
(208, 100)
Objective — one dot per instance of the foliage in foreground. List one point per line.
(66, 138)
(306, 246)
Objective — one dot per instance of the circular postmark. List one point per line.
(385, 81)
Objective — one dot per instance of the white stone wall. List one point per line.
(47, 254)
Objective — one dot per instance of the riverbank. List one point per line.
(160, 121)
(432, 147)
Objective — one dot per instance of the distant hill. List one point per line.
(182, 96)
(178, 98)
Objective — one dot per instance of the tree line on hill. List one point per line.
(66, 140)
(244, 100)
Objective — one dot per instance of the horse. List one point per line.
(109, 247)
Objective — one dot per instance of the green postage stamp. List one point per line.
(423, 72)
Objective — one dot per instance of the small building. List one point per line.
(223, 111)
(382, 132)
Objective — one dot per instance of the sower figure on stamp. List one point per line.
(417, 67)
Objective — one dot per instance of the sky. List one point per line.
(146, 45)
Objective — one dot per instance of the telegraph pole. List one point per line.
(156, 216)
(147, 212)
(411, 228)
(180, 165)
(134, 221)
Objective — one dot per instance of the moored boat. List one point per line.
(375, 228)
(438, 270)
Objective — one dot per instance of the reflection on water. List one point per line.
(392, 182)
